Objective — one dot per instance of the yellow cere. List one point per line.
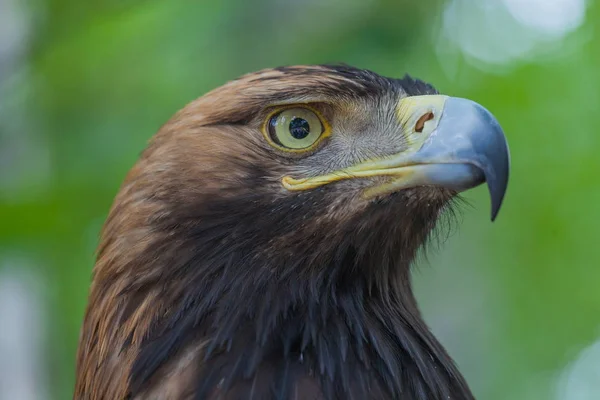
(411, 109)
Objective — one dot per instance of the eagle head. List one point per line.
(260, 248)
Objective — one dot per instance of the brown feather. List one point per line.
(212, 281)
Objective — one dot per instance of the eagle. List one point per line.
(261, 247)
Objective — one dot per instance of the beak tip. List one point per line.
(497, 197)
(496, 205)
(495, 211)
(497, 189)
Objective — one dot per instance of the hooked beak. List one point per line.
(454, 143)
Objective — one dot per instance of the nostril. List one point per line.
(421, 122)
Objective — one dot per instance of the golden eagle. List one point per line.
(261, 246)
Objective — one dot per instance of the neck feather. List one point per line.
(347, 330)
(280, 298)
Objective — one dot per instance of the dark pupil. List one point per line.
(299, 128)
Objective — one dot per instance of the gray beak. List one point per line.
(467, 148)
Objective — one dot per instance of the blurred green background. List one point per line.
(84, 85)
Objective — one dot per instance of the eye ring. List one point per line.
(295, 128)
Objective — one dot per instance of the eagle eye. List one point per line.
(297, 128)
